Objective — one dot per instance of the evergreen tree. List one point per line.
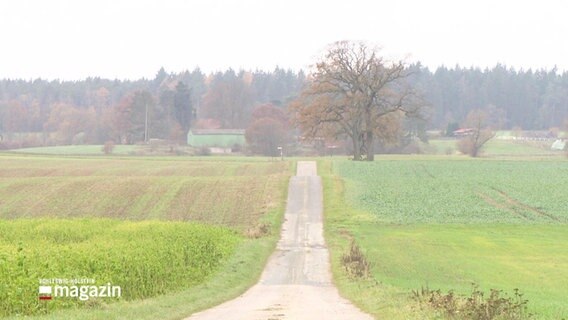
(183, 110)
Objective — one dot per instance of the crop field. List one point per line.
(131, 254)
(454, 191)
(448, 223)
(230, 193)
(154, 226)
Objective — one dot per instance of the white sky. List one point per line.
(74, 39)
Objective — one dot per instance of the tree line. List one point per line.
(96, 110)
(529, 99)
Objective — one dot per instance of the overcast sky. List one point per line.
(74, 39)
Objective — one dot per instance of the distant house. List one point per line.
(463, 132)
(217, 140)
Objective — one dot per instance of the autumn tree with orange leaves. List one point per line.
(355, 93)
(268, 130)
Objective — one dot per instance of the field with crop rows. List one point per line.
(230, 193)
(446, 223)
(153, 226)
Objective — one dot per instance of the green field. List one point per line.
(454, 191)
(497, 147)
(172, 232)
(445, 223)
(78, 150)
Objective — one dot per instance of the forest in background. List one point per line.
(94, 110)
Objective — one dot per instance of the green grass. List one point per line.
(128, 254)
(497, 147)
(72, 214)
(341, 222)
(78, 150)
(509, 147)
(232, 278)
(531, 258)
(421, 222)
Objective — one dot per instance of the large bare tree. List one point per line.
(354, 92)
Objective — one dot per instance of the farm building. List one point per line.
(464, 132)
(217, 140)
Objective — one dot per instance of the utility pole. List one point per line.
(146, 123)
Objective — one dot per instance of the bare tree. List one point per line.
(480, 133)
(351, 92)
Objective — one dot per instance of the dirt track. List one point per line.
(296, 283)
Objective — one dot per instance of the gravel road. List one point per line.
(296, 283)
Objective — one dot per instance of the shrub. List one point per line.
(108, 147)
(204, 151)
(355, 263)
(259, 230)
(413, 147)
(237, 148)
(476, 306)
(465, 145)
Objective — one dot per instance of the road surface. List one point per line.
(296, 283)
